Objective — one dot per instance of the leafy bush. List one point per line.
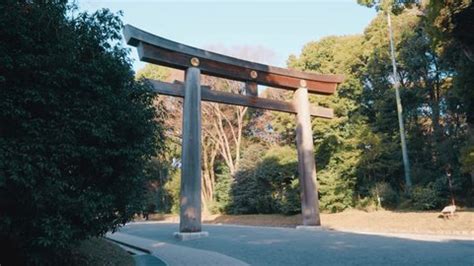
(267, 183)
(367, 204)
(222, 197)
(336, 191)
(388, 196)
(291, 201)
(426, 197)
(76, 129)
(157, 197)
(244, 186)
(172, 188)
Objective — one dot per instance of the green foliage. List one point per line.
(395, 6)
(98, 251)
(426, 197)
(467, 158)
(337, 141)
(172, 187)
(358, 153)
(222, 192)
(384, 192)
(157, 198)
(367, 204)
(246, 192)
(268, 182)
(76, 128)
(359, 150)
(151, 71)
(445, 25)
(290, 202)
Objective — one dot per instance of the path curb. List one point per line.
(175, 254)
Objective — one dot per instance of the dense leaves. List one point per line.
(267, 183)
(358, 153)
(76, 129)
(396, 6)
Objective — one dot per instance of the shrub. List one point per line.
(366, 204)
(426, 197)
(267, 184)
(388, 196)
(291, 201)
(222, 197)
(157, 197)
(335, 190)
(244, 188)
(76, 129)
(172, 188)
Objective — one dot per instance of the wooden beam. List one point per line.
(156, 55)
(155, 49)
(209, 95)
(251, 88)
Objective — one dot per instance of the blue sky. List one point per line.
(266, 31)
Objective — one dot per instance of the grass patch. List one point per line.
(98, 251)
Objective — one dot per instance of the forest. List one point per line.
(249, 156)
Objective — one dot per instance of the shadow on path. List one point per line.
(284, 246)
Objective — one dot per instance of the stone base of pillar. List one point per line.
(190, 236)
(310, 227)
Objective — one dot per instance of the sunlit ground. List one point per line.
(378, 221)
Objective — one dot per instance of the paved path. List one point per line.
(237, 245)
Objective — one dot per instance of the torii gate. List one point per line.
(194, 61)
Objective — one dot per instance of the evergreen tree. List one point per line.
(76, 130)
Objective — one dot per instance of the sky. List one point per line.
(265, 31)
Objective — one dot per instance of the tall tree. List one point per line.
(336, 140)
(387, 7)
(76, 129)
(222, 127)
(450, 25)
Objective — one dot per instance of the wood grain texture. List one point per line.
(306, 163)
(251, 88)
(177, 90)
(190, 199)
(155, 49)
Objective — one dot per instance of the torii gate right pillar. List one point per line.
(306, 163)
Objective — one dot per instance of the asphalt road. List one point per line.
(282, 246)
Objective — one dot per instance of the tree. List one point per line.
(396, 6)
(451, 21)
(337, 141)
(76, 129)
(151, 71)
(435, 116)
(450, 25)
(389, 6)
(356, 153)
(225, 123)
(267, 182)
(222, 125)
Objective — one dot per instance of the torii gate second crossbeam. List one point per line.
(194, 61)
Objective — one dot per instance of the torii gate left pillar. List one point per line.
(190, 198)
(190, 202)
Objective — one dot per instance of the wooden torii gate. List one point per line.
(194, 61)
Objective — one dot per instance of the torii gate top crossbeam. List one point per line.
(155, 49)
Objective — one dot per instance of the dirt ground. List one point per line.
(354, 220)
